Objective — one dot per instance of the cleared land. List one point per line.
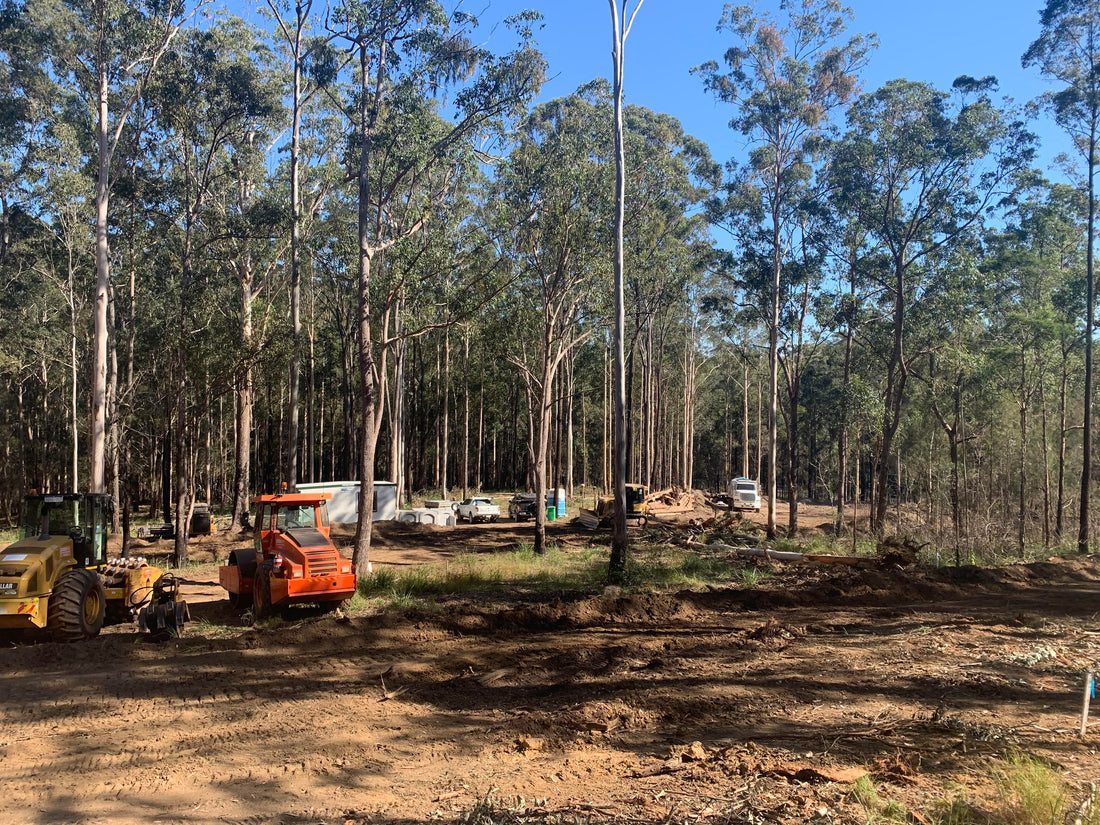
(727, 704)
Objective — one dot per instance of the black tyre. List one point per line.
(77, 606)
(261, 591)
(240, 601)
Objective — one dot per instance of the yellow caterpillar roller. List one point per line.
(57, 576)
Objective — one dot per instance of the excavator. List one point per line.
(293, 560)
(57, 576)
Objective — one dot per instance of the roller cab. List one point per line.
(292, 561)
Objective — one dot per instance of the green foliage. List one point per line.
(879, 810)
(751, 576)
(1032, 793)
(485, 212)
(483, 574)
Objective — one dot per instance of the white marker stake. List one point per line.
(1085, 702)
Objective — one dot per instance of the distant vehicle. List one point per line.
(603, 513)
(744, 494)
(477, 509)
(522, 506)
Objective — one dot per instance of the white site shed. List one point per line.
(344, 506)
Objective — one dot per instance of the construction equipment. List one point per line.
(293, 560)
(603, 512)
(57, 575)
(201, 524)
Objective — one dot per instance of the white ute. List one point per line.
(477, 509)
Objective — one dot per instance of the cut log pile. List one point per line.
(672, 501)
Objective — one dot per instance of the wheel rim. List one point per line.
(92, 607)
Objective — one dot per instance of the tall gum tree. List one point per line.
(213, 99)
(1068, 52)
(313, 66)
(405, 51)
(786, 78)
(109, 51)
(555, 188)
(621, 23)
(921, 169)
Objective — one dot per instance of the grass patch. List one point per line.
(955, 811)
(879, 809)
(1028, 791)
(208, 629)
(825, 545)
(671, 568)
(1031, 792)
(520, 569)
(752, 576)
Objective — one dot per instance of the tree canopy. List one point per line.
(351, 242)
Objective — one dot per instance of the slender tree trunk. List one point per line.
(311, 391)
(545, 397)
(445, 402)
(466, 413)
(895, 386)
(569, 447)
(845, 422)
(1045, 434)
(369, 112)
(1060, 505)
(793, 452)
(398, 414)
(478, 482)
(1090, 317)
(74, 424)
(97, 442)
(291, 459)
(1022, 493)
(131, 344)
(691, 369)
(773, 365)
(114, 424)
(179, 554)
(620, 542)
(243, 430)
(606, 422)
(956, 497)
(745, 420)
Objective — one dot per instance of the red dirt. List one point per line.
(731, 704)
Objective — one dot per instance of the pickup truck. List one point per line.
(477, 509)
(522, 506)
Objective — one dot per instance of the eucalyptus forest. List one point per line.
(352, 241)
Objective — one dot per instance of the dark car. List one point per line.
(522, 506)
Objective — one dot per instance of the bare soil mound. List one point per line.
(729, 704)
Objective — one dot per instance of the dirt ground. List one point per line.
(760, 704)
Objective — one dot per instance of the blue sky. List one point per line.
(934, 41)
